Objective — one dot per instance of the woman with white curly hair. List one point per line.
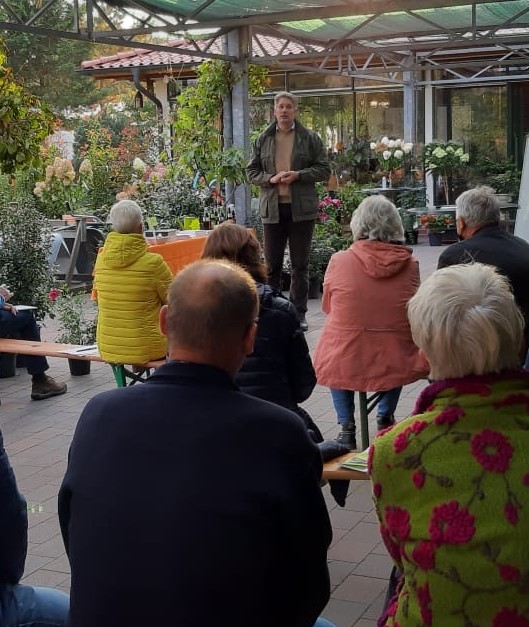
(451, 483)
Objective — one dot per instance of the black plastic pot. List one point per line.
(79, 367)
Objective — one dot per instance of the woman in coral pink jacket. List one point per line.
(366, 343)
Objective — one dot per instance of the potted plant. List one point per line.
(438, 226)
(76, 321)
(445, 159)
(390, 154)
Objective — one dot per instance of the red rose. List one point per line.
(510, 512)
(53, 295)
(400, 443)
(449, 416)
(450, 524)
(392, 547)
(418, 426)
(418, 478)
(398, 522)
(492, 450)
(508, 573)
(403, 439)
(507, 617)
(424, 555)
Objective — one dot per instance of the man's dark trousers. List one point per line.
(299, 237)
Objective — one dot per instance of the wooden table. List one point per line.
(180, 252)
(332, 470)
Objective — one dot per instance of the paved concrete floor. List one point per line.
(37, 437)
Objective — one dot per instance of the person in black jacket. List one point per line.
(478, 225)
(21, 605)
(172, 511)
(280, 368)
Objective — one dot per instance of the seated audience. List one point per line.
(226, 528)
(20, 605)
(130, 285)
(366, 344)
(23, 326)
(451, 482)
(279, 369)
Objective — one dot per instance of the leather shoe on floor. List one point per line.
(46, 387)
(303, 324)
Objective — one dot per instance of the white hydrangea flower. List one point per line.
(398, 143)
(139, 165)
(398, 154)
(386, 155)
(372, 145)
(385, 141)
(391, 143)
(407, 147)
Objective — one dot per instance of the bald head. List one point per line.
(209, 317)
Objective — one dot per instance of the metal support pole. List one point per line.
(239, 45)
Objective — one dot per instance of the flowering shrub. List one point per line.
(164, 193)
(77, 318)
(444, 158)
(390, 153)
(437, 221)
(63, 187)
(328, 208)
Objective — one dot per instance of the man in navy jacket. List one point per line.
(21, 605)
(478, 226)
(187, 502)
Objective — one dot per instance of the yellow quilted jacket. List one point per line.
(130, 285)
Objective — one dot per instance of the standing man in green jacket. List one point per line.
(287, 160)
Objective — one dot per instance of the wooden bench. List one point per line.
(333, 470)
(123, 374)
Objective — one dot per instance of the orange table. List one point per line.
(180, 252)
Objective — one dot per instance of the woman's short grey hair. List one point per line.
(377, 218)
(286, 94)
(465, 320)
(125, 216)
(478, 207)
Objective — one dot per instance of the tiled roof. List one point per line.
(263, 45)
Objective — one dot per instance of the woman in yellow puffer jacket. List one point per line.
(130, 285)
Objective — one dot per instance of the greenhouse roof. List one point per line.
(467, 40)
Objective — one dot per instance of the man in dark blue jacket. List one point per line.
(21, 605)
(187, 502)
(478, 226)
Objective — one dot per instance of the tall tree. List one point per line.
(48, 66)
(24, 123)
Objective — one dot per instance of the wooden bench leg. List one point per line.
(125, 377)
(367, 404)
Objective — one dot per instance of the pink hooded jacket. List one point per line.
(366, 342)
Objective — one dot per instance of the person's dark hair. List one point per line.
(238, 244)
(211, 304)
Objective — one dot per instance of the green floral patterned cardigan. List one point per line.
(451, 489)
